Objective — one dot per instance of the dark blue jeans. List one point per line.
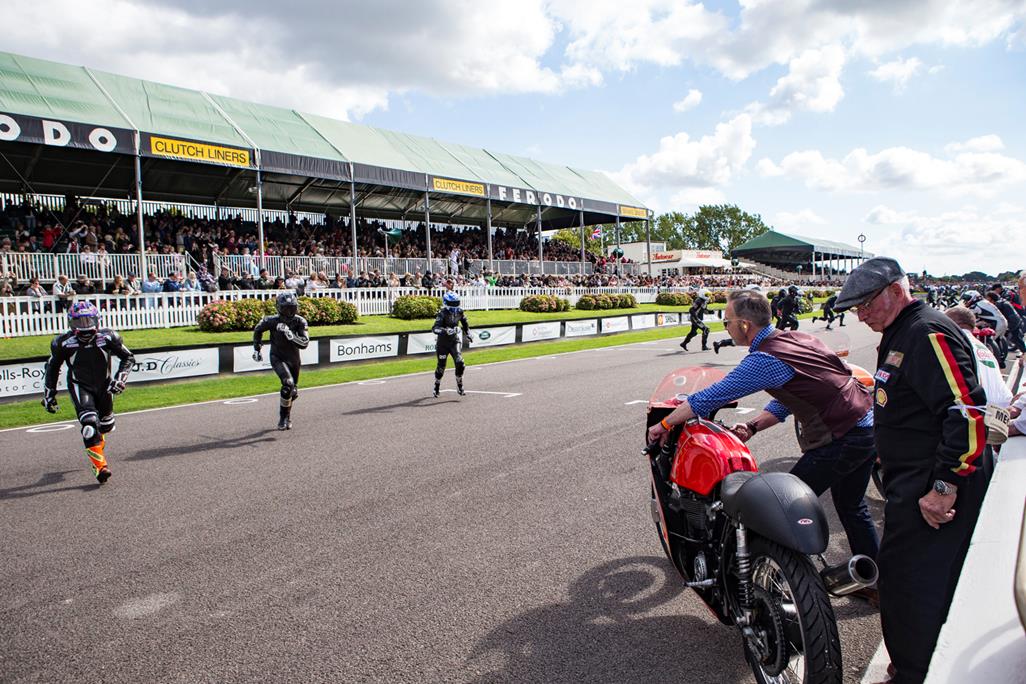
(844, 467)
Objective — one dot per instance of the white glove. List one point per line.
(282, 327)
(450, 331)
(257, 356)
(117, 386)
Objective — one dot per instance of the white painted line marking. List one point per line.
(505, 395)
(246, 400)
(636, 401)
(52, 428)
(371, 382)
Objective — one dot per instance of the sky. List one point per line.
(898, 119)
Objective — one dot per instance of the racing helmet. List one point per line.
(792, 289)
(971, 296)
(287, 305)
(84, 320)
(704, 293)
(451, 300)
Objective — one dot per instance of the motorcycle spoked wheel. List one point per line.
(790, 599)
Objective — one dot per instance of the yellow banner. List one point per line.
(634, 212)
(449, 185)
(182, 149)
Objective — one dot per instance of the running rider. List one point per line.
(288, 335)
(699, 308)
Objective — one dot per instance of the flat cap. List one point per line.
(867, 279)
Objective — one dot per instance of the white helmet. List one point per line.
(704, 293)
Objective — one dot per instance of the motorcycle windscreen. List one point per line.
(684, 381)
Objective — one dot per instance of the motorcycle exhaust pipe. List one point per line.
(848, 577)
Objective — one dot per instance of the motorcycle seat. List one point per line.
(731, 486)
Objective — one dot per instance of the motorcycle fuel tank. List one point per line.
(707, 453)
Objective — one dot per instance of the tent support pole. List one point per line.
(541, 249)
(488, 228)
(139, 210)
(648, 246)
(352, 221)
(260, 215)
(580, 214)
(427, 226)
(618, 258)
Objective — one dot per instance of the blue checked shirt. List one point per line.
(757, 372)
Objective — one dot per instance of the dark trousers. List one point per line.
(695, 327)
(844, 467)
(920, 566)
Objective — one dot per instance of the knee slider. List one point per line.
(286, 390)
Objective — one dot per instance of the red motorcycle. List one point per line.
(744, 541)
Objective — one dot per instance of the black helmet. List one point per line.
(782, 293)
(287, 305)
(793, 289)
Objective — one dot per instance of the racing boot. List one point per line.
(99, 463)
(435, 391)
(716, 346)
(284, 423)
(459, 387)
(705, 339)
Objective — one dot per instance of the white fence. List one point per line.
(24, 316)
(98, 267)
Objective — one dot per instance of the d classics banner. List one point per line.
(176, 363)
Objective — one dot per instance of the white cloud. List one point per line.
(898, 73)
(681, 162)
(690, 101)
(901, 168)
(690, 198)
(797, 220)
(812, 83)
(984, 143)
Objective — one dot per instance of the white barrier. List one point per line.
(25, 316)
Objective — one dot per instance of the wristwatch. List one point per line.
(942, 487)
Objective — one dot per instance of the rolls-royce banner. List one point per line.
(420, 343)
(242, 357)
(667, 319)
(176, 148)
(493, 337)
(581, 328)
(355, 348)
(540, 331)
(19, 128)
(642, 321)
(25, 378)
(616, 324)
(176, 363)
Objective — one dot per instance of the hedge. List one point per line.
(544, 303)
(673, 299)
(606, 301)
(409, 307)
(244, 314)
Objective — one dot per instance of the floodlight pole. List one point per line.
(581, 215)
(427, 225)
(488, 228)
(260, 215)
(139, 209)
(352, 217)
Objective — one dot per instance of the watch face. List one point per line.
(940, 486)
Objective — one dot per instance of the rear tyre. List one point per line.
(793, 610)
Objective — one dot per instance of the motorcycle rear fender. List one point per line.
(782, 508)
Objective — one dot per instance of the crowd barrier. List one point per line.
(25, 316)
(26, 377)
(98, 267)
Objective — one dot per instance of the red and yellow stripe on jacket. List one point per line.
(960, 389)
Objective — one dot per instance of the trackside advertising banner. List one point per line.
(356, 348)
(242, 357)
(25, 378)
(420, 343)
(616, 324)
(667, 319)
(19, 128)
(642, 321)
(540, 331)
(493, 337)
(581, 328)
(191, 150)
(177, 363)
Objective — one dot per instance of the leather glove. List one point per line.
(289, 335)
(450, 331)
(116, 386)
(49, 401)
(282, 327)
(257, 356)
(470, 337)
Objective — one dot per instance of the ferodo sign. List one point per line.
(19, 128)
(356, 348)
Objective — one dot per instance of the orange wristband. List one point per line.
(665, 425)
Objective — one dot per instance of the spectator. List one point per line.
(427, 281)
(191, 284)
(246, 282)
(279, 283)
(171, 283)
(34, 289)
(986, 363)
(84, 286)
(151, 286)
(118, 287)
(338, 282)
(264, 281)
(132, 285)
(64, 292)
(225, 281)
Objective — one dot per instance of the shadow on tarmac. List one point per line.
(45, 480)
(607, 633)
(419, 402)
(215, 444)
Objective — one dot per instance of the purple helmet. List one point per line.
(84, 318)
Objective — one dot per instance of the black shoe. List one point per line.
(716, 347)
(103, 474)
(283, 424)
(828, 327)
(706, 347)
(814, 319)
(842, 325)
(435, 392)
(460, 391)
(684, 346)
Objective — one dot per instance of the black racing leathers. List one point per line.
(89, 377)
(288, 337)
(449, 340)
(696, 314)
(828, 311)
(788, 313)
(925, 372)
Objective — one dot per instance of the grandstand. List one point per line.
(794, 257)
(73, 132)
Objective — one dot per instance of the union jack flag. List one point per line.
(597, 233)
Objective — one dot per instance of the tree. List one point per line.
(725, 226)
(572, 237)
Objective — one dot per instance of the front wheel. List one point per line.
(792, 614)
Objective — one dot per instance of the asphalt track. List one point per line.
(389, 536)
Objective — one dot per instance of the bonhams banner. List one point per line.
(540, 331)
(242, 357)
(355, 348)
(19, 128)
(581, 328)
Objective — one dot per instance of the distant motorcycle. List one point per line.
(743, 540)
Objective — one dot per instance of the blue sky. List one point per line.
(900, 120)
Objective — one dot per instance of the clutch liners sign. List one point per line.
(202, 152)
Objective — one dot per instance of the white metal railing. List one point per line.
(98, 267)
(24, 316)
